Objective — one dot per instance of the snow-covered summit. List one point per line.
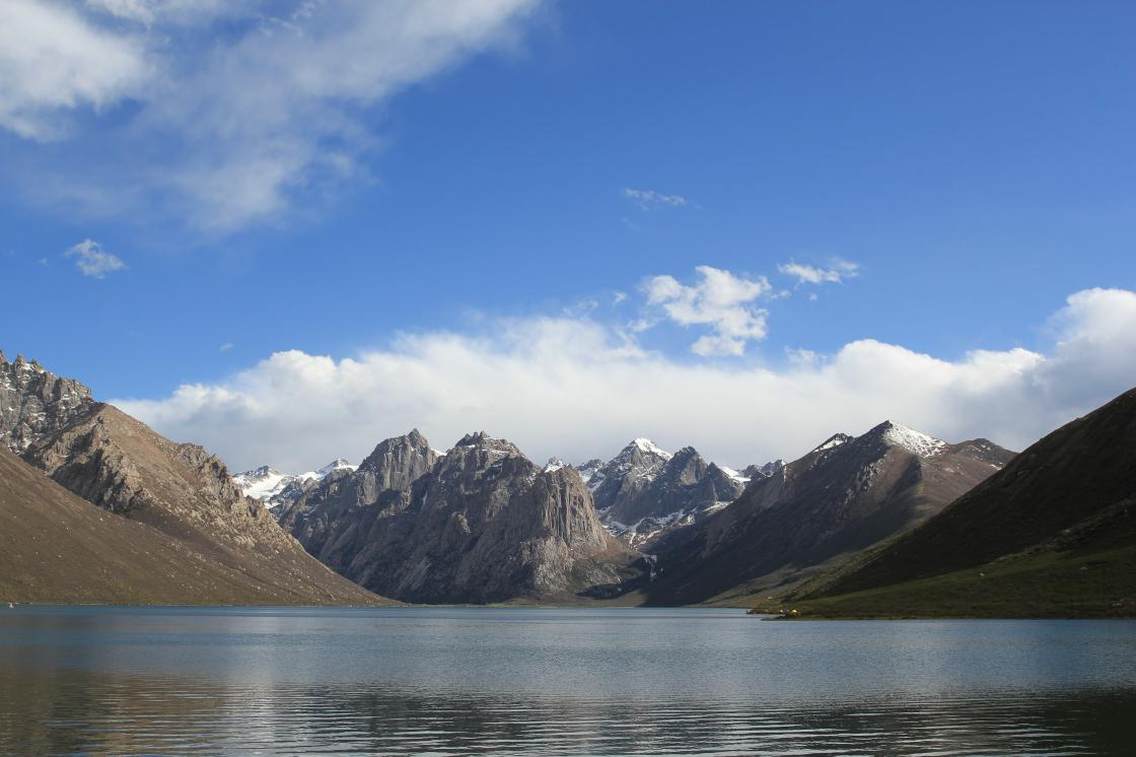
(262, 482)
(915, 442)
(339, 463)
(648, 446)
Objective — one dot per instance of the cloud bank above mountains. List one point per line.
(577, 388)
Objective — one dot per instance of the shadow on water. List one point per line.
(556, 682)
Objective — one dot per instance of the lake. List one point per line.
(565, 681)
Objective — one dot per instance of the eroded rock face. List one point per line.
(35, 402)
(480, 524)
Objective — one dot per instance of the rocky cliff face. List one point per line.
(848, 493)
(35, 402)
(480, 524)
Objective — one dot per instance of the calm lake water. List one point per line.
(530, 681)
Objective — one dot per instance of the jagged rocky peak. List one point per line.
(588, 469)
(483, 524)
(645, 495)
(686, 466)
(395, 463)
(474, 449)
(35, 403)
(772, 468)
(554, 464)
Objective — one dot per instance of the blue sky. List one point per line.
(964, 168)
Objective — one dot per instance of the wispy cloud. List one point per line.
(592, 393)
(649, 199)
(837, 271)
(93, 261)
(236, 109)
(719, 299)
(226, 347)
(53, 61)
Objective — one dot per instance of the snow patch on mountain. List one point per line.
(735, 475)
(646, 445)
(915, 442)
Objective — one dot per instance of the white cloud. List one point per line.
(53, 61)
(576, 389)
(837, 272)
(93, 261)
(226, 347)
(648, 199)
(240, 108)
(720, 300)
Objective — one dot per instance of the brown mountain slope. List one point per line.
(57, 547)
(183, 492)
(845, 495)
(1076, 474)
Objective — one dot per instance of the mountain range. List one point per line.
(97, 507)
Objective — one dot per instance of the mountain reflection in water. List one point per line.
(513, 681)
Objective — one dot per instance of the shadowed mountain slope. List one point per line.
(1070, 495)
(845, 495)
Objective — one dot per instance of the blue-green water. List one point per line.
(532, 681)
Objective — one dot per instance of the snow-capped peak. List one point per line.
(338, 463)
(262, 482)
(265, 482)
(646, 445)
(554, 463)
(915, 442)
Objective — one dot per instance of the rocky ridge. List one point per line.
(35, 402)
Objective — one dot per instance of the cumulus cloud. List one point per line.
(575, 388)
(237, 108)
(93, 261)
(719, 299)
(837, 271)
(649, 199)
